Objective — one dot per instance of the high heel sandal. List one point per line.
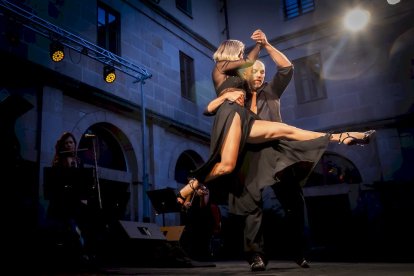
(368, 135)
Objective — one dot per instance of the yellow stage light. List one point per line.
(109, 74)
(56, 51)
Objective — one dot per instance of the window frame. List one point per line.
(116, 31)
(308, 73)
(184, 6)
(187, 77)
(300, 7)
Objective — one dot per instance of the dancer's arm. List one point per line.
(277, 56)
(226, 66)
(236, 96)
(284, 72)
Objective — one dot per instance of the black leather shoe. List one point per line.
(303, 263)
(257, 264)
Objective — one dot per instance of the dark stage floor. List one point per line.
(241, 268)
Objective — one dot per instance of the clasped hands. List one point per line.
(259, 37)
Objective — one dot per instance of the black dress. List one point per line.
(221, 125)
(266, 164)
(258, 165)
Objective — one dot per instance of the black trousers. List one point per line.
(290, 213)
(292, 203)
(253, 234)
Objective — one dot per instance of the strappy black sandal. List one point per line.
(368, 135)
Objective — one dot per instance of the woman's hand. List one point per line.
(259, 37)
(236, 96)
(230, 94)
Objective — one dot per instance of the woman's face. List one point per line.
(69, 144)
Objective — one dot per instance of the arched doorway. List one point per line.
(329, 199)
(103, 141)
(186, 162)
(332, 169)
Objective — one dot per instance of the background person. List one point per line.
(199, 226)
(71, 215)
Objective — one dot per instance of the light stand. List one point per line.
(98, 186)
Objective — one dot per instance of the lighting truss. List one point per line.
(95, 52)
(75, 42)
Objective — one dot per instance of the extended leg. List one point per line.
(229, 155)
(263, 131)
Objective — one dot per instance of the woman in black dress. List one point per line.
(235, 125)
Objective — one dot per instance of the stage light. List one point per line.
(393, 2)
(109, 74)
(356, 20)
(56, 51)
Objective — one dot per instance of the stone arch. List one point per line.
(117, 160)
(187, 161)
(334, 168)
(105, 121)
(190, 151)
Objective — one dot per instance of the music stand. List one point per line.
(63, 182)
(164, 201)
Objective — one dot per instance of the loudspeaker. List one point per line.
(134, 243)
(172, 233)
(142, 230)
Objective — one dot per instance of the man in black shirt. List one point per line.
(265, 102)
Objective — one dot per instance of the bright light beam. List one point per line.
(356, 20)
(393, 2)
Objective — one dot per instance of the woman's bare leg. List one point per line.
(229, 154)
(263, 131)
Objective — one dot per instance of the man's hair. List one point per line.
(229, 50)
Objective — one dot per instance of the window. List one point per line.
(294, 8)
(184, 6)
(187, 77)
(109, 29)
(308, 80)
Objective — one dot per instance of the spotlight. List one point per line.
(109, 74)
(356, 20)
(56, 51)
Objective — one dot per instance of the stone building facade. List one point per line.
(342, 82)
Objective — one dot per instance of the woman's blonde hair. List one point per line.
(229, 50)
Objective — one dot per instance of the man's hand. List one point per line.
(259, 37)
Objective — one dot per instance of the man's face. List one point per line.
(256, 75)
